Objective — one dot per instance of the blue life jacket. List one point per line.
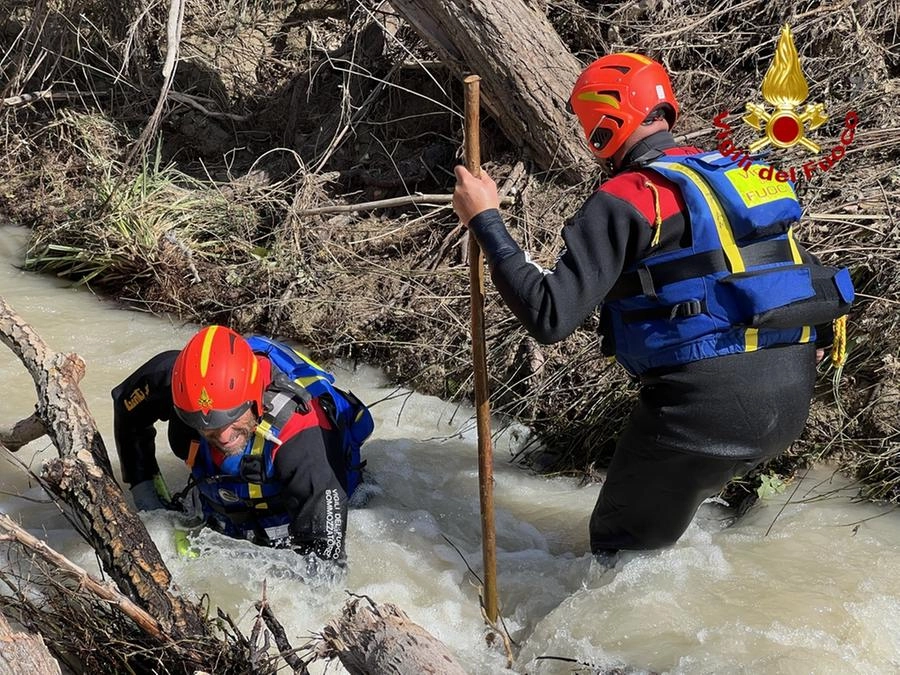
(740, 286)
(240, 497)
(350, 414)
(236, 503)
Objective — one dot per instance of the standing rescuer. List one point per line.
(705, 296)
(273, 447)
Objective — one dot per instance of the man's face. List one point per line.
(232, 439)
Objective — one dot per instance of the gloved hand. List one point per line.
(146, 497)
(191, 508)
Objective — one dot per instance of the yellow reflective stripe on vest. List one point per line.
(723, 228)
(306, 381)
(726, 238)
(795, 252)
(308, 360)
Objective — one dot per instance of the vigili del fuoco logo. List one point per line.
(784, 88)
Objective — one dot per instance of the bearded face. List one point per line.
(233, 438)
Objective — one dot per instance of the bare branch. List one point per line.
(22, 433)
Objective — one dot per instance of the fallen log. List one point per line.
(380, 638)
(104, 591)
(526, 71)
(81, 480)
(24, 653)
(21, 433)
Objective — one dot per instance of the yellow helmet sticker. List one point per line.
(611, 101)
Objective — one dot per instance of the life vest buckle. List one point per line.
(686, 309)
(253, 469)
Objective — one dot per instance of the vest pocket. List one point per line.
(790, 296)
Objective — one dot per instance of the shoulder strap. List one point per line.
(280, 393)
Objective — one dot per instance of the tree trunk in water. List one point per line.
(82, 478)
(382, 639)
(527, 71)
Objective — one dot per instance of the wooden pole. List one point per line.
(482, 403)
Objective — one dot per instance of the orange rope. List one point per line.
(657, 223)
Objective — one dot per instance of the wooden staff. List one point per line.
(482, 404)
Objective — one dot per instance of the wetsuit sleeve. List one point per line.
(139, 402)
(305, 465)
(599, 241)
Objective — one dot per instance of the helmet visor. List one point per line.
(214, 419)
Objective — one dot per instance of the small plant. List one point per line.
(770, 485)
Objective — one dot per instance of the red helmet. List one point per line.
(614, 94)
(216, 379)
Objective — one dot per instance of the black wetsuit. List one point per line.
(310, 465)
(696, 425)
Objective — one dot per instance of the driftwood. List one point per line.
(21, 433)
(106, 591)
(385, 204)
(82, 479)
(24, 653)
(526, 74)
(380, 638)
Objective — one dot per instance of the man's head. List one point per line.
(615, 95)
(217, 387)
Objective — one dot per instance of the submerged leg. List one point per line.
(651, 494)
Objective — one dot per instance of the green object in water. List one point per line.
(183, 545)
(161, 488)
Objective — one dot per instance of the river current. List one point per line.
(806, 582)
